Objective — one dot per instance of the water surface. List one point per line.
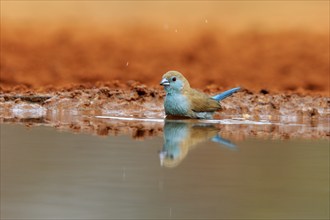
(46, 174)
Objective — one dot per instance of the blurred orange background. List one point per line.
(276, 45)
(312, 15)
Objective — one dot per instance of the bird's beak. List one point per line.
(164, 82)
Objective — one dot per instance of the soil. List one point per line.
(64, 78)
(74, 109)
(279, 61)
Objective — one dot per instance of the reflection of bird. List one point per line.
(180, 137)
(181, 100)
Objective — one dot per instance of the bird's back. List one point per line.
(200, 102)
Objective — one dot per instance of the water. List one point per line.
(46, 173)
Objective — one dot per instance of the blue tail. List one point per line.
(225, 94)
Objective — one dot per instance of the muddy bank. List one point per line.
(74, 109)
(65, 77)
(138, 100)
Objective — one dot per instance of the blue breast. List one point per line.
(176, 104)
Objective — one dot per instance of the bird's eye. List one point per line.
(174, 79)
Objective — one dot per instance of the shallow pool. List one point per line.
(188, 172)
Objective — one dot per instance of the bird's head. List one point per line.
(174, 82)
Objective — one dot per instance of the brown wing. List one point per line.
(201, 102)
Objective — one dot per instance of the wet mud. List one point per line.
(65, 77)
(245, 114)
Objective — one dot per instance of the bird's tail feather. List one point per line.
(225, 94)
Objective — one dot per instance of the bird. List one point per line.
(182, 101)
